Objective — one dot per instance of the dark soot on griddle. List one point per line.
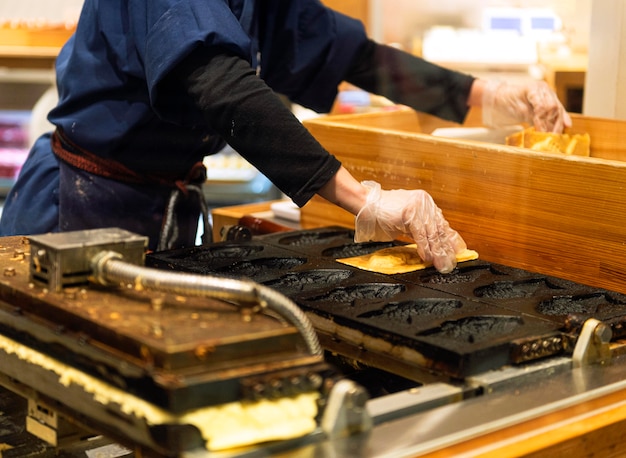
(585, 303)
(368, 291)
(512, 289)
(258, 266)
(405, 311)
(475, 329)
(355, 249)
(203, 254)
(462, 275)
(301, 281)
(314, 238)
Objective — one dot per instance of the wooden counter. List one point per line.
(553, 214)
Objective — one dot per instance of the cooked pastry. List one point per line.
(398, 259)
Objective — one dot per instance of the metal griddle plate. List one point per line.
(480, 317)
(177, 353)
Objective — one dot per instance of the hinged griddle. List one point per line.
(422, 324)
(421, 346)
(130, 362)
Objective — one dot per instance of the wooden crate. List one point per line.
(554, 214)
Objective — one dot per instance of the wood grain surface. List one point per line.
(554, 214)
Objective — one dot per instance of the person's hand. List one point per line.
(535, 103)
(413, 213)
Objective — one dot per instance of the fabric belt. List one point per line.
(78, 157)
(74, 155)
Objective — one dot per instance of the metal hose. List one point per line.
(109, 268)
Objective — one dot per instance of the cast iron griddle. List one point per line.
(481, 316)
(175, 352)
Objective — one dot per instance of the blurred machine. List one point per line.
(507, 45)
(507, 39)
(267, 345)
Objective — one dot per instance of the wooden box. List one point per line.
(549, 213)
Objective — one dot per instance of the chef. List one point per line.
(148, 88)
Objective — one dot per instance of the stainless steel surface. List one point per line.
(64, 259)
(437, 416)
(454, 423)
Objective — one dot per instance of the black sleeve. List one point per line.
(241, 108)
(410, 80)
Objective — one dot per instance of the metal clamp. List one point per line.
(592, 345)
(346, 413)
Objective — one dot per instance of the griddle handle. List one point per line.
(235, 233)
(575, 322)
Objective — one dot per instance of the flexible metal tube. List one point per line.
(109, 268)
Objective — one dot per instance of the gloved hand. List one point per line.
(389, 214)
(505, 104)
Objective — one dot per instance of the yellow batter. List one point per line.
(397, 260)
(226, 426)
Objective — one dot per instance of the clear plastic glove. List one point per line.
(413, 213)
(505, 104)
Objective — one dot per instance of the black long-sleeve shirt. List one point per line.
(248, 115)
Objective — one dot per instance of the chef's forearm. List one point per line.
(475, 98)
(411, 80)
(239, 106)
(345, 191)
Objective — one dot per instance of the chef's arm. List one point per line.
(248, 115)
(410, 80)
(429, 88)
(237, 105)
(345, 191)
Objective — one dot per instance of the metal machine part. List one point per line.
(111, 257)
(483, 330)
(414, 363)
(593, 345)
(109, 268)
(141, 358)
(346, 412)
(63, 259)
(421, 325)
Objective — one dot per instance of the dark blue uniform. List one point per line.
(112, 103)
(147, 88)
